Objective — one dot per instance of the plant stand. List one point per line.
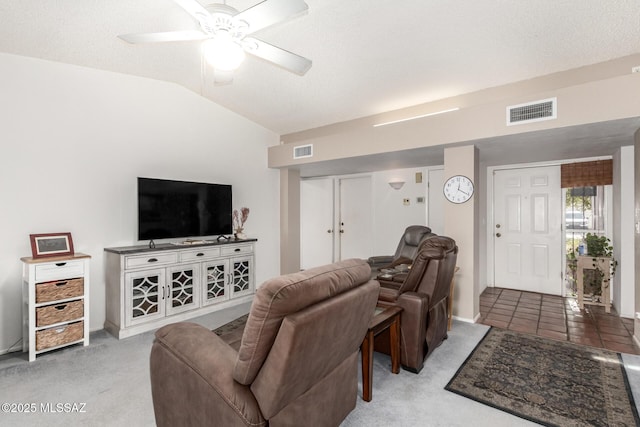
(587, 263)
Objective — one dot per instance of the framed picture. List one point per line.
(51, 244)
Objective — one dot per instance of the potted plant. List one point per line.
(600, 249)
(572, 267)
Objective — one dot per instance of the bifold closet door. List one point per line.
(336, 220)
(317, 218)
(355, 219)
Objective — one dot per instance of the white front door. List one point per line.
(527, 229)
(316, 222)
(355, 221)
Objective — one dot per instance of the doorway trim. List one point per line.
(490, 261)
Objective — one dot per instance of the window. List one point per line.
(586, 211)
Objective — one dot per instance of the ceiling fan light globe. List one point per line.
(223, 53)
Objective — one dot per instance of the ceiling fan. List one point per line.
(225, 33)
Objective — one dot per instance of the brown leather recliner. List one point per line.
(422, 293)
(297, 363)
(406, 250)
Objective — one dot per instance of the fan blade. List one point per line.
(270, 12)
(282, 58)
(193, 8)
(170, 36)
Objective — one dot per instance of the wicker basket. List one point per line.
(57, 313)
(59, 289)
(59, 335)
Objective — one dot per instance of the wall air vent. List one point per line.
(302, 151)
(536, 111)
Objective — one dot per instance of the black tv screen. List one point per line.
(176, 209)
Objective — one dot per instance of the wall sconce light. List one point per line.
(396, 185)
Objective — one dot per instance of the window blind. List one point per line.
(585, 174)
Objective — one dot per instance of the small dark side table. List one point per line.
(384, 317)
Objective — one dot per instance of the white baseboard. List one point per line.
(13, 349)
(468, 320)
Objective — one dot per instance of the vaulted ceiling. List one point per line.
(369, 56)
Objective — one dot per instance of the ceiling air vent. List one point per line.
(302, 151)
(536, 111)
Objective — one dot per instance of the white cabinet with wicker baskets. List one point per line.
(56, 303)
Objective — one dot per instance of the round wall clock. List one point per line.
(458, 189)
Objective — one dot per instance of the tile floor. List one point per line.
(556, 317)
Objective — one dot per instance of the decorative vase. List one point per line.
(240, 235)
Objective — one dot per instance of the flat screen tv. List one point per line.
(179, 209)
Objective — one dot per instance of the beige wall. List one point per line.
(637, 237)
(597, 93)
(461, 225)
(585, 95)
(623, 236)
(74, 139)
(289, 221)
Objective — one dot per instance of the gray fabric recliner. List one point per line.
(297, 363)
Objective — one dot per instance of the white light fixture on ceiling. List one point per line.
(227, 34)
(222, 52)
(417, 117)
(396, 185)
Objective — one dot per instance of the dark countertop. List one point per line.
(124, 250)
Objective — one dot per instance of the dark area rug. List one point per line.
(549, 382)
(232, 326)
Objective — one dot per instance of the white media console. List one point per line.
(150, 287)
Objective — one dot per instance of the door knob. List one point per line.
(329, 231)
(497, 225)
(498, 234)
(341, 231)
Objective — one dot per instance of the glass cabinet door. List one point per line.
(241, 276)
(215, 287)
(145, 291)
(182, 292)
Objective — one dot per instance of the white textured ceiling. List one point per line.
(369, 56)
